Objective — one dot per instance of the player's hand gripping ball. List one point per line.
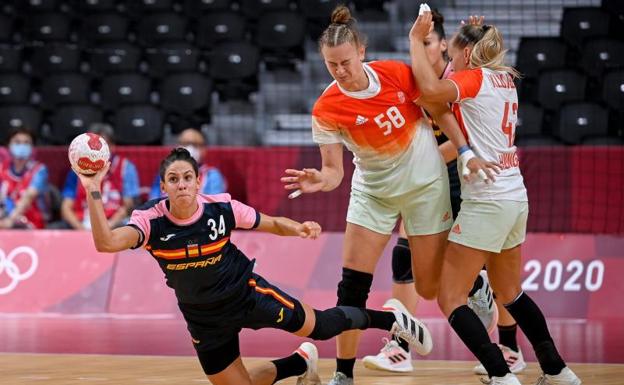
(88, 153)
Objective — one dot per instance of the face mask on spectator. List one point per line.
(21, 150)
(194, 151)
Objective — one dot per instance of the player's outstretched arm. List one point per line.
(432, 88)
(311, 180)
(288, 227)
(105, 239)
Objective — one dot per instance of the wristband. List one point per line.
(463, 149)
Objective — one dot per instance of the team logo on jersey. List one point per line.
(446, 217)
(457, 229)
(167, 237)
(360, 120)
(401, 96)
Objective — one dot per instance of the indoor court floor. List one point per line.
(68, 350)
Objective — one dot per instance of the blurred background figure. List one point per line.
(23, 184)
(212, 181)
(120, 189)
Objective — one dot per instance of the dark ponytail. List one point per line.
(179, 153)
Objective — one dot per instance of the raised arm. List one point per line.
(310, 180)
(432, 88)
(287, 227)
(105, 239)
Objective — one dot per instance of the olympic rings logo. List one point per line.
(8, 265)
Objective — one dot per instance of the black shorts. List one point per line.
(214, 332)
(455, 187)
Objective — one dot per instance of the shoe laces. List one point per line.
(388, 344)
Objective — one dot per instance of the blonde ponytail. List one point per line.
(488, 50)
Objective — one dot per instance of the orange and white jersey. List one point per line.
(487, 109)
(394, 147)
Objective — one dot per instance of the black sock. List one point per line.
(532, 322)
(403, 344)
(470, 329)
(507, 336)
(345, 366)
(380, 319)
(478, 283)
(293, 365)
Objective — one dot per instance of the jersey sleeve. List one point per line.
(40, 180)
(246, 217)
(140, 221)
(130, 188)
(407, 81)
(69, 188)
(324, 133)
(467, 82)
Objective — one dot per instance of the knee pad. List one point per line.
(298, 318)
(329, 323)
(354, 288)
(402, 262)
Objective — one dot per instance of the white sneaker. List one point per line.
(514, 359)
(392, 358)
(482, 303)
(340, 379)
(409, 328)
(566, 377)
(509, 379)
(310, 354)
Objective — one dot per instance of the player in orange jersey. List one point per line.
(491, 224)
(399, 172)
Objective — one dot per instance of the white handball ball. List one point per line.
(88, 153)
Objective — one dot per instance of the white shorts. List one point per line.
(425, 210)
(490, 225)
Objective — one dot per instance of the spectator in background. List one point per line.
(23, 184)
(120, 189)
(212, 181)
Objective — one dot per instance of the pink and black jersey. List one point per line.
(196, 255)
